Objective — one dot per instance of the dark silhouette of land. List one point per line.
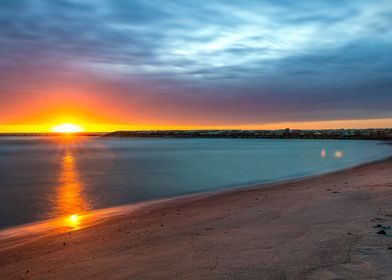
(355, 134)
(360, 134)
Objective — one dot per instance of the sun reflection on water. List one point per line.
(73, 221)
(70, 202)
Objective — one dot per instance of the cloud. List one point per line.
(253, 62)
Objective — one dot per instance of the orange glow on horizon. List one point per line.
(89, 126)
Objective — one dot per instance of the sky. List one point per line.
(130, 64)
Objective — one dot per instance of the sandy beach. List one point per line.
(333, 226)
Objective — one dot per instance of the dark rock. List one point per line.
(383, 232)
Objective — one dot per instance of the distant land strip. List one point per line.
(357, 134)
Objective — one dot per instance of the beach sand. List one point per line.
(325, 227)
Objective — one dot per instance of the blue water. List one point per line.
(43, 177)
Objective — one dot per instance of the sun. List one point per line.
(67, 128)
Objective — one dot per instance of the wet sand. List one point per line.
(326, 227)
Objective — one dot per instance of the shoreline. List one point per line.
(321, 227)
(19, 234)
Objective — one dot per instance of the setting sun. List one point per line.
(67, 128)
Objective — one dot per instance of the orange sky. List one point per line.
(104, 113)
(107, 127)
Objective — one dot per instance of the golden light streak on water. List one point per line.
(70, 201)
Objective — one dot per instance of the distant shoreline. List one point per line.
(349, 134)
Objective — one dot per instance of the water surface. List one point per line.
(44, 177)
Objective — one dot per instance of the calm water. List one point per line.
(42, 178)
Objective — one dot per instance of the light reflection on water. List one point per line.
(336, 154)
(70, 200)
(63, 179)
(339, 154)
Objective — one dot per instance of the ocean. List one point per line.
(49, 177)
